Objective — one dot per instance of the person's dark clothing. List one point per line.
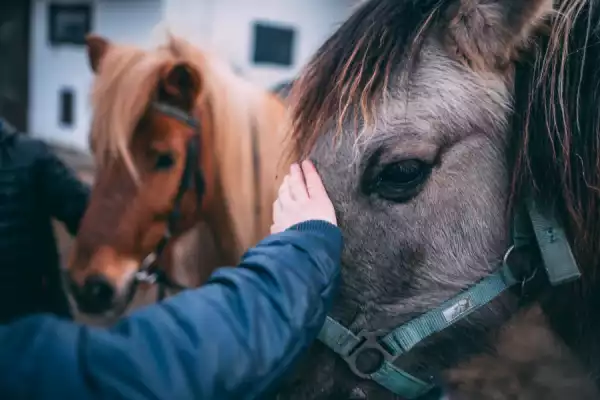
(35, 186)
(233, 338)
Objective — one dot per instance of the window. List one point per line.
(273, 44)
(66, 107)
(69, 23)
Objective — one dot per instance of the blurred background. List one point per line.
(45, 78)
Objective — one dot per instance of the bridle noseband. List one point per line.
(540, 229)
(150, 271)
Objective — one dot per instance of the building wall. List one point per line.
(54, 68)
(227, 26)
(222, 25)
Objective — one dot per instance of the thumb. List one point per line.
(314, 185)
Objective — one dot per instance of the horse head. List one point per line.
(151, 139)
(178, 139)
(408, 112)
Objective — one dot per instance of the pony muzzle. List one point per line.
(104, 290)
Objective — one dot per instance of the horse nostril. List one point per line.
(97, 294)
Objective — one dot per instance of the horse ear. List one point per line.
(181, 83)
(96, 49)
(489, 33)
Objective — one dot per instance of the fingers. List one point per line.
(296, 184)
(314, 185)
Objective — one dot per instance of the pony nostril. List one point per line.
(97, 294)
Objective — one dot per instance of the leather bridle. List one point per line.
(151, 271)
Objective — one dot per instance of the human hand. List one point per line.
(302, 197)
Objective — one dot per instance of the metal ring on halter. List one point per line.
(526, 279)
(506, 255)
(145, 274)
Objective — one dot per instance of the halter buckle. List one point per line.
(369, 350)
(146, 276)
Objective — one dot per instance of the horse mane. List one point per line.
(240, 109)
(555, 140)
(351, 71)
(128, 81)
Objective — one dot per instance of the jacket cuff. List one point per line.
(314, 225)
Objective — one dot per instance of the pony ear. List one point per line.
(489, 33)
(181, 83)
(96, 49)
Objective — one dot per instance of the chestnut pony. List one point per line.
(178, 139)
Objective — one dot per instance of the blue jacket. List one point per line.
(231, 339)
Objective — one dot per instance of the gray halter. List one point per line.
(560, 267)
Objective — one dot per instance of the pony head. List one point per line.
(178, 139)
(150, 140)
(431, 121)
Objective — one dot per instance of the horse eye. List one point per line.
(403, 173)
(400, 181)
(164, 161)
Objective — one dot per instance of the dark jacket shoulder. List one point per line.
(19, 150)
(58, 188)
(36, 186)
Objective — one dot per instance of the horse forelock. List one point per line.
(351, 71)
(122, 90)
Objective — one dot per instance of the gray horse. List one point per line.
(408, 112)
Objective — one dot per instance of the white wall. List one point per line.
(223, 25)
(53, 68)
(192, 19)
(227, 25)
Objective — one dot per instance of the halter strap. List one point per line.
(150, 271)
(560, 266)
(403, 338)
(559, 262)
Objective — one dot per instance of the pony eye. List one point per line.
(164, 161)
(403, 173)
(401, 181)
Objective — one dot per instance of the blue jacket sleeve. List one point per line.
(231, 339)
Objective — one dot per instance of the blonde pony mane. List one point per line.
(126, 84)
